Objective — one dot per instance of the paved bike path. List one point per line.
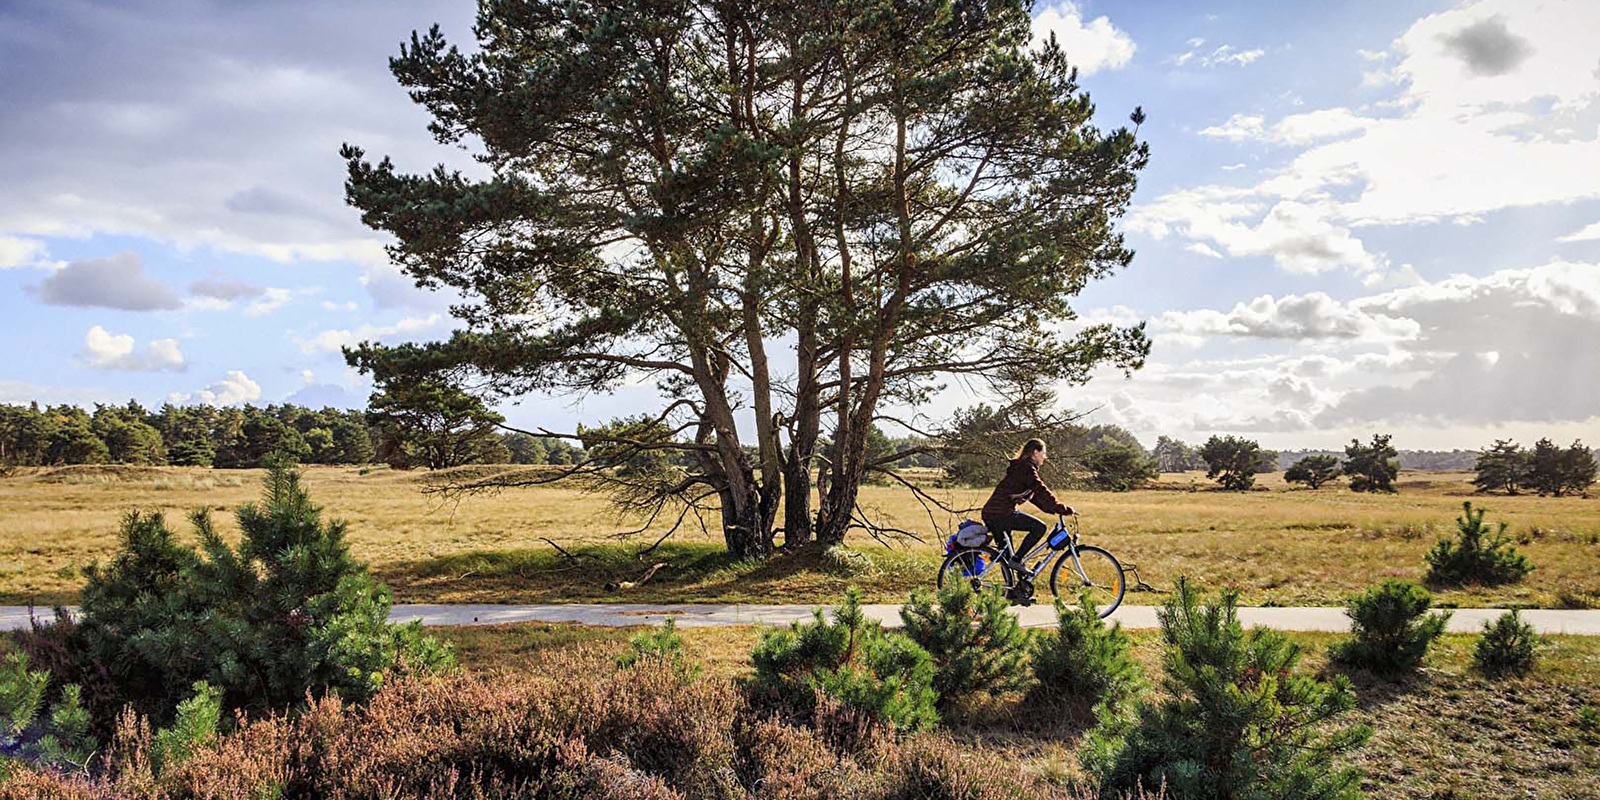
(1464, 620)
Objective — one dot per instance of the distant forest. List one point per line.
(200, 435)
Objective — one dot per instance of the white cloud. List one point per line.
(1299, 237)
(1203, 249)
(330, 341)
(1218, 56)
(1494, 105)
(1090, 46)
(234, 388)
(18, 252)
(1310, 316)
(107, 351)
(271, 300)
(1590, 233)
(1238, 128)
(117, 282)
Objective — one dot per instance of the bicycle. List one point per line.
(1093, 571)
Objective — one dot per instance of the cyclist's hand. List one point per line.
(1066, 511)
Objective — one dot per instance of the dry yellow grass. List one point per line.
(1278, 545)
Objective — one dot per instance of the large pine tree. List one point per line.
(806, 211)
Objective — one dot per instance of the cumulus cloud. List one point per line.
(1310, 316)
(271, 300)
(18, 252)
(1487, 48)
(1589, 233)
(107, 351)
(210, 124)
(1299, 237)
(234, 388)
(330, 341)
(1489, 106)
(218, 288)
(1090, 45)
(116, 282)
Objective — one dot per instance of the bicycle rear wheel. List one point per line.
(1095, 573)
(979, 566)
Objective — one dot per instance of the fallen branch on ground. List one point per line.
(623, 585)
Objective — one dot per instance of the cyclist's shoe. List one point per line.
(1021, 594)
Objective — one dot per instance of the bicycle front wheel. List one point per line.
(1094, 573)
(979, 566)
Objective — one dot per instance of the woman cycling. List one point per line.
(1021, 484)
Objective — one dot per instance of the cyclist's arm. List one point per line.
(1045, 499)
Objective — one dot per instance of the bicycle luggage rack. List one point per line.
(1138, 583)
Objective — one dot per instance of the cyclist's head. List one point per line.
(1033, 448)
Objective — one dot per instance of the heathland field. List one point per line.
(1278, 545)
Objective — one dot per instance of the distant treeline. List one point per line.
(1425, 460)
(232, 437)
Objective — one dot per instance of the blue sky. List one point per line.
(1358, 216)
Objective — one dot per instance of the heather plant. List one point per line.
(977, 646)
(285, 612)
(1085, 662)
(622, 734)
(1477, 556)
(883, 677)
(1391, 628)
(1508, 647)
(1237, 719)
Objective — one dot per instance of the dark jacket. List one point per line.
(1021, 485)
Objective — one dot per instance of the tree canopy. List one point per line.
(794, 214)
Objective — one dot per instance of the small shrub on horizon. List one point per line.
(1392, 628)
(1237, 719)
(1477, 556)
(1508, 646)
(883, 676)
(1085, 662)
(976, 644)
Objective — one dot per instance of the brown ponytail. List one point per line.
(1030, 447)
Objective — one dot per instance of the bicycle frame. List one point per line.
(1043, 547)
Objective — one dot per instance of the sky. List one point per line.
(1358, 217)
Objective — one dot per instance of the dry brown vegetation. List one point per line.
(1277, 544)
(1446, 733)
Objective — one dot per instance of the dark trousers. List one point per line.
(1002, 527)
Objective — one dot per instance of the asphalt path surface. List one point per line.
(1463, 620)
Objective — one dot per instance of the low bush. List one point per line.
(32, 726)
(1085, 663)
(661, 644)
(284, 613)
(884, 678)
(1477, 556)
(1237, 719)
(1508, 646)
(582, 728)
(976, 644)
(1391, 629)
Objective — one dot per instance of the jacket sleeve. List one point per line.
(1042, 497)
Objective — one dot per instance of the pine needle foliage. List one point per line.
(1237, 721)
(1477, 556)
(1509, 647)
(284, 613)
(976, 644)
(1391, 629)
(853, 663)
(1086, 663)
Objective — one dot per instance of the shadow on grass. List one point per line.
(691, 573)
